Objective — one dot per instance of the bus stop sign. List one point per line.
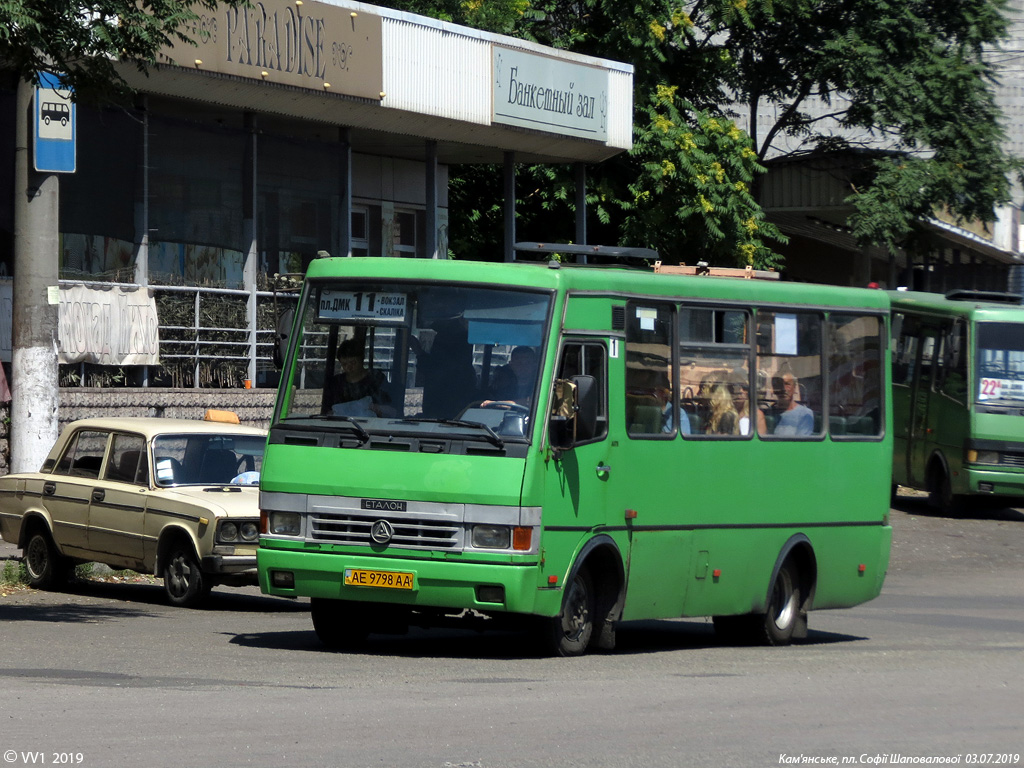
(54, 126)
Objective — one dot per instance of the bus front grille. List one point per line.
(1012, 459)
(409, 533)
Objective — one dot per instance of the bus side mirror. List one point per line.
(573, 411)
(281, 337)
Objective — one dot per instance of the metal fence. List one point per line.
(209, 338)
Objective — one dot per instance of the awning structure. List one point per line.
(805, 198)
(396, 80)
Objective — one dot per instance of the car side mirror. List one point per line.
(282, 336)
(573, 411)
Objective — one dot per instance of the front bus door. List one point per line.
(921, 437)
(576, 484)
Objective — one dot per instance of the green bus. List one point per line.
(958, 397)
(567, 447)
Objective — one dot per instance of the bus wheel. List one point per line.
(44, 566)
(569, 633)
(783, 613)
(338, 624)
(940, 493)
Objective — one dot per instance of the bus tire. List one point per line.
(940, 492)
(569, 633)
(45, 568)
(339, 624)
(778, 624)
(784, 605)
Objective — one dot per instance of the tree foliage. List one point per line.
(902, 85)
(909, 77)
(692, 198)
(82, 39)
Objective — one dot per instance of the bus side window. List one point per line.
(588, 359)
(954, 362)
(855, 369)
(789, 347)
(714, 373)
(649, 398)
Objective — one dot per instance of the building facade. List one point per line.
(290, 131)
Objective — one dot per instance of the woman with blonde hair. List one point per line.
(739, 387)
(723, 418)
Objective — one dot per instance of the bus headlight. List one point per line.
(492, 536)
(285, 523)
(982, 457)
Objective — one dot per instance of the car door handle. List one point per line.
(98, 494)
(49, 488)
(603, 470)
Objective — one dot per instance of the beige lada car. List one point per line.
(173, 497)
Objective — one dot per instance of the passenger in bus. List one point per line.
(357, 391)
(515, 382)
(793, 419)
(723, 418)
(663, 391)
(739, 388)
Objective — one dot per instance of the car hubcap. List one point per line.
(36, 558)
(179, 575)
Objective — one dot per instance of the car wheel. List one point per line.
(184, 581)
(569, 633)
(339, 624)
(44, 565)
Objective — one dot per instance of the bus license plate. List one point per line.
(358, 577)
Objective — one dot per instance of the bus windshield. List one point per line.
(431, 358)
(1001, 363)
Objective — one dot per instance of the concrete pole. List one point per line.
(34, 393)
(250, 183)
(430, 236)
(345, 190)
(509, 206)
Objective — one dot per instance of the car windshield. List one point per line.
(1000, 364)
(418, 358)
(207, 459)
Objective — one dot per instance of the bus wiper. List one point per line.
(490, 435)
(362, 434)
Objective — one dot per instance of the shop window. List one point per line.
(406, 239)
(360, 231)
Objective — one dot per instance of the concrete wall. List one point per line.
(253, 406)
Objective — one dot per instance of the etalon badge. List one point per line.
(382, 531)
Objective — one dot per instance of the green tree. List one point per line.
(692, 198)
(907, 79)
(82, 40)
(902, 85)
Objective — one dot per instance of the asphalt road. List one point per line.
(107, 675)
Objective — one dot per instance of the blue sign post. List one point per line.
(54, 126)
